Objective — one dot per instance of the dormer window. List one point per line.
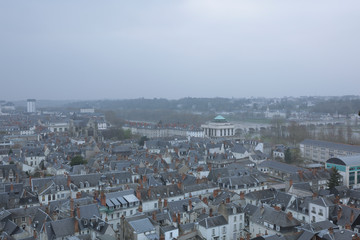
(87, 184)
(81, 185)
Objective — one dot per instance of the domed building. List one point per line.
(218, 127)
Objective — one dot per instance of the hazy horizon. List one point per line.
(91, 50)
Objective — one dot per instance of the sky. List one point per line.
(85, 49)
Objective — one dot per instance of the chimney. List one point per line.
(215, 193)
(165, 202)
(352, 216)
(339, 213)
(149, 192)
(76, 226)
(68, 180)
(71, 207)
(140, 208)
(190, 205)
(103, 198)
(228, 200)
(78, 211)
(183, 176)
(242, 195)
(160, 203)
(35, 235)
(180, 186)
(205, 200)
(301, 174)
(174, 217)
(314, 195)
(178, 218)
(138, 195)
(211, 212)
(154, 215)
(331, 230)
(78, 195)
(144, 179)
(11, 187)
(314, 171)
(290, 216)
(30, 181)
(290, 183)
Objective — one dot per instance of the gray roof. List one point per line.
(339, 146)
(281, 166)
(211, 222)
(142, 225)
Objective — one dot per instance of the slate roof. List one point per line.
(272, 216)
(325, 144)
(283, 167)
(211, 222)
(142, 225)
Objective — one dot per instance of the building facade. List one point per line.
(31, 105)
(320, 151)
(218, 127)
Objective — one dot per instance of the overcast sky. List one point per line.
(172, 48)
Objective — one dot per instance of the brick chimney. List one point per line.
(205, 200)
(180, 186)
(190, 204)
(154, 215)
(11, 187)
(78, 195)
(289, 216)
(174, 218)
(290, 183)
(352, 216)
(140, 208)
(160, 203)
(149, 192)
(211, 212)
(228, 200)
(103, 198)
(138, 194)
(242, 195)
(30, 181)
(301, 174)
(314, 195)
(68, 180)
(339, 213)
(178, 219)
(71, 207)
(216, 192)
(165, 202)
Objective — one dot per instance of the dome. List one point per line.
(219, 118)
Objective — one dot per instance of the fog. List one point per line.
(173, 49)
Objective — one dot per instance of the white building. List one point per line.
(31, 105)
(219, 127)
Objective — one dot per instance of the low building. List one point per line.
(348, 167)
(320, 151)
(218, 127)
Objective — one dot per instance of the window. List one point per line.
(171, 234)
(234, 218)
(23, 219)
(155, 205)
(213, 232)
(224, 230)
(234, 227)
(131, 212)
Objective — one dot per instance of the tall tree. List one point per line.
(288, 157)
(335, 178)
